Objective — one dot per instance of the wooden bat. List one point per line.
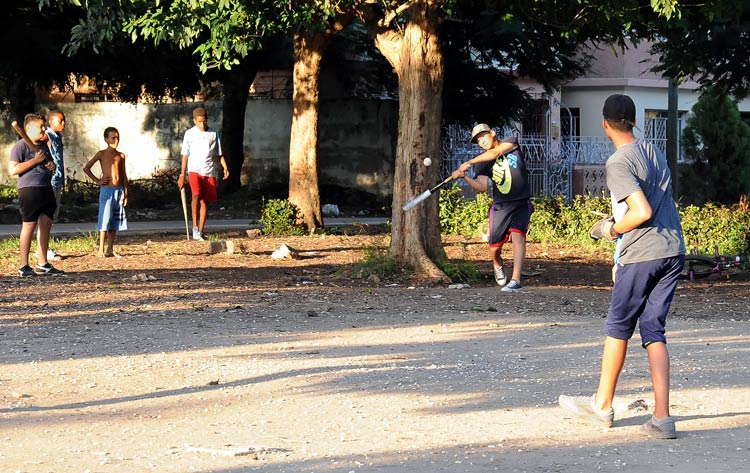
(23, 134)
(183, 196)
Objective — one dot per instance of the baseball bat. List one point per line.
(23, 134)
(424, 195)
(184, 212)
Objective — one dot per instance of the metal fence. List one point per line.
(549, 162)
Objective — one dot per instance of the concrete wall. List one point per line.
(357, 140)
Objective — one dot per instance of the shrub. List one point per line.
(462, 216)
(279, 217)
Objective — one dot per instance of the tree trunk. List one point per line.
(415, 235)
(304, 191)
(236, 84)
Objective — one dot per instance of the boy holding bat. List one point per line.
(649, 256)
(31, 161)
(501, 172)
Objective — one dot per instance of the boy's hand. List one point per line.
(181, 182)
(458, 174)
(51, 166)
(105, 180)
(464, 167)
(226, 174)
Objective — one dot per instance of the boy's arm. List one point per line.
(489, 155)
(87, 169)
(124, 175)
(480, 184)
(183, 168)
(639, 212)
(17, 168)
(224, 166)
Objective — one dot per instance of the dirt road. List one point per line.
(170, 360)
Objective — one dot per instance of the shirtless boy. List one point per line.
(113, 195)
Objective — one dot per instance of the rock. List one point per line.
(224, 246)
(285, 252)
(254, 233)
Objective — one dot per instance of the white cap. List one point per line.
(478, 130)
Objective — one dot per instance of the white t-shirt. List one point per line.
(201, 148)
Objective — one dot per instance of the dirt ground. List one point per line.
(171, 359)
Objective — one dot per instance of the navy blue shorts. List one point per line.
(642, 294)
(507, 218)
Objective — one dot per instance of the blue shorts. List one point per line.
(642, 294)
(111, 210)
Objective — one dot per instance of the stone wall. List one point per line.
(357, 140)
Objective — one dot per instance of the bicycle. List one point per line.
(699, 266)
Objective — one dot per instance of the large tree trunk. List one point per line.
(303, 156)
(236, 89)
(415, 235)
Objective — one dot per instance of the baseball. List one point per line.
(427, 161)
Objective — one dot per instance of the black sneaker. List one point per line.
(48, 269)
(26, 271)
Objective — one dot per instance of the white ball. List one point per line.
(427, 161)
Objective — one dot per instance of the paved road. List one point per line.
(177, 226)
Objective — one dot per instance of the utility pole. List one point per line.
(672, 143)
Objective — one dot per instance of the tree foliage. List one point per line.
(716, 143)
(707, 42)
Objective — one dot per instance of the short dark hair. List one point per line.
(33, 117)
(108, 130)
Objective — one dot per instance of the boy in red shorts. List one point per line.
(200, 147)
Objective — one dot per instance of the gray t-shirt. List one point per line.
(641, 167)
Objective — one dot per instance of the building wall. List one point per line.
(356, 147)
(625, 73)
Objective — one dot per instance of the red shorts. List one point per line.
(203, 186)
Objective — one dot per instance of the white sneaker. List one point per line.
(197, 235)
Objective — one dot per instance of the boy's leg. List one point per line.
(102, 240)
(44, 226)
(613, 359)
(27, 234)
(203, 215)
(658, 360)
(194, 204)
(110, 243)
(519, 254)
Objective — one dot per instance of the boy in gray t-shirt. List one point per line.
(649, 256)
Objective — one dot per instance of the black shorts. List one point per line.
(35, 201)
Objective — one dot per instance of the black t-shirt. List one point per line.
(508, 174)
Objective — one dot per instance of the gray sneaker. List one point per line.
(584, 407)
(660, 428)
(500, 277)
(512, 286)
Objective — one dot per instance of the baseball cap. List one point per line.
(478, 130)
(199, 112)
(620, 108)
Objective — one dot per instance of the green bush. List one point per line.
(462, 216)
(710, 226)
(377, 261)
(279, 217)
(8, 193)
(554, 221)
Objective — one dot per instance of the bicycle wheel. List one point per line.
(698, 266)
